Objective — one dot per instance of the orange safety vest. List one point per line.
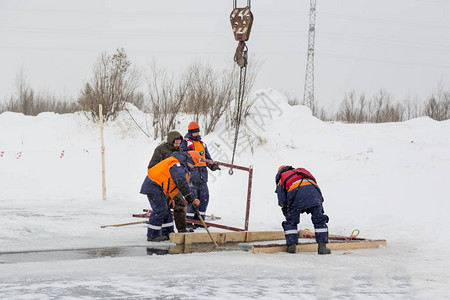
(291, 179)
(161, 175)
(198, 146)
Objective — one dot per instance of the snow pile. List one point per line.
(387, 180)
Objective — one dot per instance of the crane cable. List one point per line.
(241, 22)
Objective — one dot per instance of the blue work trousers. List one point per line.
(160, 221)
(318, 218)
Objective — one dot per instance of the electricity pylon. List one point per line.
(308, 95)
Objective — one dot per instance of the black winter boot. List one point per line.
(160, 238)
(323, 249)
(185, 230)
(292, 248)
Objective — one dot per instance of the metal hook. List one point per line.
(235, 3)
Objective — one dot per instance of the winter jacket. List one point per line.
(171, 176)
(166, 149)
(200, 174)
(291, 187)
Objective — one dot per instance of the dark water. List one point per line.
(126, 251)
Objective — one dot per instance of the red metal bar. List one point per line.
(140, 216)
(195, 221)
(215, 225)
(249, 195)
(249, 189)
(209, 161)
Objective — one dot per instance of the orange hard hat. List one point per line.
(193, 125)
(195, 156)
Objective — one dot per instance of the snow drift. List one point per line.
(387, 180)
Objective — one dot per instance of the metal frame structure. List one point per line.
(249, 195)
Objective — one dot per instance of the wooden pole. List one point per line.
(207, 230)
(123, 224)
(100, 108)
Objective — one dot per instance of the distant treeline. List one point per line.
(381, 108)
(205, 94)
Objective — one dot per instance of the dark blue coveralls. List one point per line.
(307, 197)
(161, 218)
(198, 179)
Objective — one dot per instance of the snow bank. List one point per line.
(387, 180)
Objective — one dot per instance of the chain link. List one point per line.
(239, 108)
(241, 59)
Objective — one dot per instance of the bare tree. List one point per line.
(25, 94)
(438, 108)
(438, 105)
(347, 109)
(202, 93)
(209, 94)
(201, 81)
(385, 110)
(252, 71)
(114, 82)
(166, 98)
(411, 108)
(220, 101)
(32, 103)
(292, 100)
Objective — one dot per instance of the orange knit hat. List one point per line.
(195, 157)
(193, 125)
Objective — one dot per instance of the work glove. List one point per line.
(214, 167)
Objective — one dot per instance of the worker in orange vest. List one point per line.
(162, 183)
(199, 176)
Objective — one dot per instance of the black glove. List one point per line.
(214, 167)
(284, 209)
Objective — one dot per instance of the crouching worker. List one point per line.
(163, 182)
(298, 192)
(163, 151)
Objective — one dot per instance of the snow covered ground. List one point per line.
(387, 180)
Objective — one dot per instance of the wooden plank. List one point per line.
(336, 242)
(235, 237)
(273, 248)
(226, 237)
(365, 244)
(194, 237)
(202, 237)
(219, 237)
(259, 236)
(312, 247)
(177, 238)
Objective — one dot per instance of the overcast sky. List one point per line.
(402, 46)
